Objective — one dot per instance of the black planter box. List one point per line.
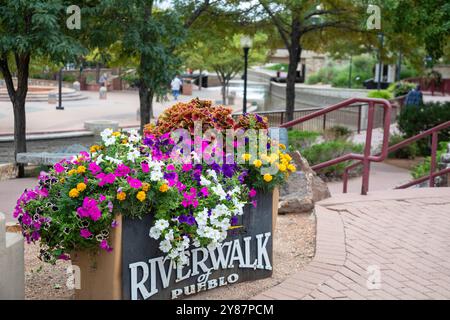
(247, 256)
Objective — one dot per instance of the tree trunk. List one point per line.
(294, 59)
(146, 105)
(97, 72)
(20, 143)
(224, 92)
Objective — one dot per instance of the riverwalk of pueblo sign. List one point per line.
(245, 255)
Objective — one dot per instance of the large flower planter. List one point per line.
(137, 269)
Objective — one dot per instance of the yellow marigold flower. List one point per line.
(246, 156)
(71, 172)
(74, 193)
(287, 157)
(282, 146)
(124, 141)
(62, 180)
(292, 168)
(81, 186)
(116, 133)
(257, 163)
(81, 169)
(267, 177)
(145, 186)
(164, 188)
(121, 196)
(141, 196)
(282, 167)
(94, 148)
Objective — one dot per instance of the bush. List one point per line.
(299, 140)
(408, 152)
(337, 133)
(279, 67)
(328, 150)
(69, 77)
(416, 119)
(423, 168)
(380, 94)
(401, 88)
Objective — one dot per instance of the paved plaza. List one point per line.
(121, 106)
(387, 245)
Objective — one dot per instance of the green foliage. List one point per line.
(408, 152)
(416, 119)
(401, 88)
(423, 168)
(337, 132)
(299, 140)
(338, 76)
(279, 67)
(328, 150)
(380, 94)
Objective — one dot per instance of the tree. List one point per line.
(224, 56)
(296, 19)
(150, 35)
(31, 29)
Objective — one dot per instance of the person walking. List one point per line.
(414, 97)
(176, 86)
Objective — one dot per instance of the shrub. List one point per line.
(328, 150)
(408, 152)
(299, 140)
(69, 78)
(380, 94)
(401, 88)
(423, 168)
(337, 133)
(279, 67)
(313, 79)
(416, 119)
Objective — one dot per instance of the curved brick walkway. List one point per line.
(387, 245)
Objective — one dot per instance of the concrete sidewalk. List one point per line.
(382, 177)
(10, 191)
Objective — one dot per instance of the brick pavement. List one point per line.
(387, 245)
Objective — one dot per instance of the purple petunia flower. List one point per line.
(85, 233)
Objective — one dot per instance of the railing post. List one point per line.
(282, 118)
(434, 145)
(324, 121)
(367, 149)
(345, 181)
(359, 118)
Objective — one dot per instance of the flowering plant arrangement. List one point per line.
(196, 203)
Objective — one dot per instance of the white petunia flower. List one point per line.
(155, 233)
(169, 235)
(99, 159)
(109, 141)
(106, 133)
(218, 189)
(133, 155)
(212, 174)
(161, 224)
(165, 246)
(204, 181)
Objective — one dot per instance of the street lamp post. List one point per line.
(350, 72)
(59, 106)
(246, 44)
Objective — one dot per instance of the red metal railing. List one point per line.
(434, 145)
(430, 85)
(365, 158)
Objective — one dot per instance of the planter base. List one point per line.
(101, 273)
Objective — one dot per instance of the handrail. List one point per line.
(434, 144)
(366, 158)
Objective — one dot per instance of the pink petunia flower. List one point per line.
(187, 167)
(170, 167)
(204, 191)
(134, 183)
(94, 168)
(58, 167)
(105, 178)
(252, 193)
(85, 233)
(122, 170)
(144, 166)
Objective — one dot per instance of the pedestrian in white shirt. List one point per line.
(176, 86)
